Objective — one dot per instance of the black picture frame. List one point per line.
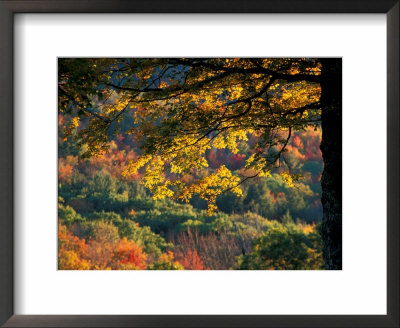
(10, 7)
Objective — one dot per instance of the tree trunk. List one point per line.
(331, 147)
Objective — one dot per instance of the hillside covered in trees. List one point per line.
(245, 200)
(107, 221)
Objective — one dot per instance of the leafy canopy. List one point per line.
(180, 108)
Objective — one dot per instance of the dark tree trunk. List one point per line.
(331, 147)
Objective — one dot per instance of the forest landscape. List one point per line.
(199, 164)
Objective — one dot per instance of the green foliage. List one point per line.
(106, 216)
(166, 262)
(287, 218)
(165, 216)
(103, 232)
(152, 243)
(101, 184)
(284, 247)
(68, 215)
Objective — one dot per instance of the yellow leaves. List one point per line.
(70, 260)
(72, 126)
(167, 257)
(250, 160)
(232, 138)
(154, 174)
(163, 191)
(74, 122)
(153, 178)
(316, 70)
(166, 262)
(259, 164)
(116, 106)
(233, 62)
(182, 164)
(287, 178)
(144, 74)
(163, 84)
(265, 174)
(294, 70)
(211, 208)
(290, 179)
(219, 142)
(187, 153)
(212, 186)
(235, 91)
(295, 95)
(307, 228)
(121, 105)
(266, 62)
(229, 140)
(231, 143)
(133, 166)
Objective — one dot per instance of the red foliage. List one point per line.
(297, 142)
(236, 161)
(65, 171)
(66, 168)
(120, 137)
(114, 161)
(312, 140)
(130, 254)
(214, 159)
(192, 261)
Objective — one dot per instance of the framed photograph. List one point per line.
(202, 164)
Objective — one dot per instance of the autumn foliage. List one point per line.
(75, 254)
(189, 164)
(129, 255)
(191, 260)
(71, 251)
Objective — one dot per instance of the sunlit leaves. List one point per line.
(210, 187)
(183, 108)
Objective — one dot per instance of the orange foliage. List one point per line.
(114, 161)
(130, 255)
(312, 140)
(307, 228)
(192, 261)
(305, 145)
(66, 168)
(71, 250)
(297, 142)
(99, 255)
(75, 254)
(295, 151)
(65, 171)
(67, 241)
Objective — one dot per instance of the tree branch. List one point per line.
(87, 110)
